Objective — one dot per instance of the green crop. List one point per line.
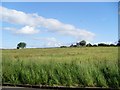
(83, 67)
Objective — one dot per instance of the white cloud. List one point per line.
(27, 30)
(23, 30)
(33, 21)
(9, 28)
(49, 42)
(15, 17)
(109, 42)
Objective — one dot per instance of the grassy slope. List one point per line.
(88, 66)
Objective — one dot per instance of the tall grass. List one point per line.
(89, 66)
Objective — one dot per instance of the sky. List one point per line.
(50, 24)
(60, 0)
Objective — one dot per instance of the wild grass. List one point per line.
(83, 67)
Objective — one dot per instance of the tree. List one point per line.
(17, 47)
(118, 44)
(83, 43)
(21, 45)
(94, 45)
(112, 45)
(89, 45)
(78, 44)
(71, 45)
(63, 46)
(102, 44)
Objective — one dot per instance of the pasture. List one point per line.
(82, 67)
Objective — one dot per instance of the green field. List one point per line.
(83, 66)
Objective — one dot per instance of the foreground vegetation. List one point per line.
(85, 66)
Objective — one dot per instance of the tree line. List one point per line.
(82, 43)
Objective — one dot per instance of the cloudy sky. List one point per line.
(54, 24)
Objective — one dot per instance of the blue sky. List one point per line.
(53, 24)
(60, 0)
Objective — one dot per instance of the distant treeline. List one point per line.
(83, 43)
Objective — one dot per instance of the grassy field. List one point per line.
(83, 67)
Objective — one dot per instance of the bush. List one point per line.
(63, 46)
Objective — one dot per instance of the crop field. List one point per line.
(82, 67)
